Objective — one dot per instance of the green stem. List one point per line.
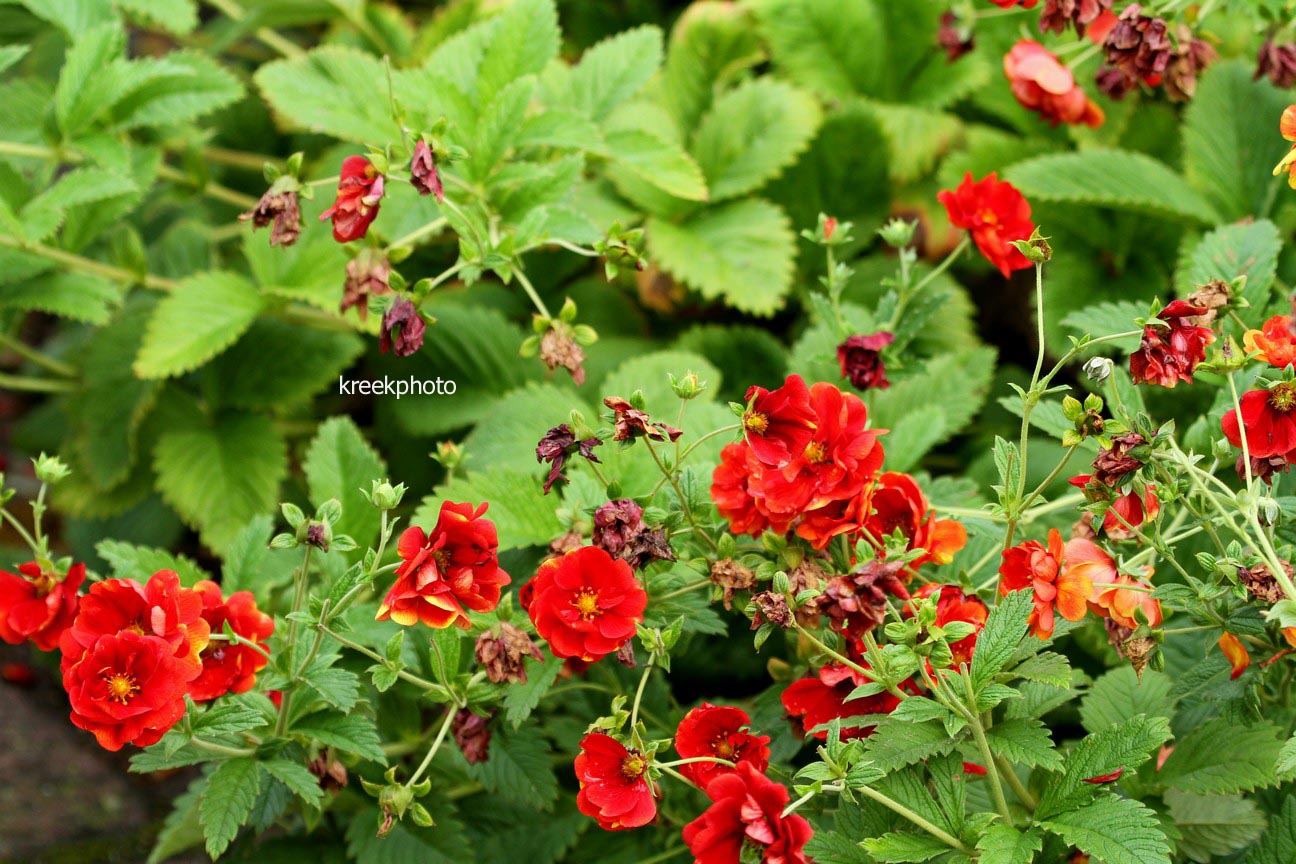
(232, 10)
(687, 589)
(1019, 788)
(299, 599)
(21, 531)
(694, 759)
(409, 677)
(436, 745)
(222, 749)
(901, 810)
(208, 188)
(87, 265)
(22, 349)
(639, 691)
(419, 233)
(943, 265)
(978, 731)
(34, 385)
(531, 292)
(846, 661)
(679, 492)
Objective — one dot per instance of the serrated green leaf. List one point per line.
(1045, 668)
(741, 252)
(1025, 741)
(1228, 139)
(1278, 844)
(174, 16)
(1003, 632)
(1105, 319)
(352, 733)
(337, 686)
(1223, 756)
(1120, 693)
(43, 215)
(1111, 178)
(916, 137)
(523, 42)
(1114, 830)
(710, 45)
(521, 699)
(1126, 747)
(78, 296)
(518, 768)
(307, 362)
(182, 829)
(203, 316)
(340, 463)
(219, 473)
(296, 777)
(227, 801)
(1230, 251)
(751, 134)
(1211, 825)
(835, 49)
(176, 88)
(129, 561)
(613, 70)
(83, 88)
(1004, 844)
(896, 743)
(657, 161)
(899, 847)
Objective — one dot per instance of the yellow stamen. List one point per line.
(756, 422)
(121, 688)
(586, 604)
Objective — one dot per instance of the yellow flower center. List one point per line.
(723, 749)
(756, 422)
(586, 604)
(1283, 396)
(815, 452)
(634, 765)
(121, 687)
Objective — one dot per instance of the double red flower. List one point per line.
(778, 423)
(614, 787)
(899, 504)
(1061, 576)
(448, 571)
(359, 194)
(1274, 342)
(230, 667)
(745, 822)
(585, 603)
(1044, 85)
(996, 214)
(1269, 418)
(1170, 351)
(719, 731)
(38, 606)
(821, 698)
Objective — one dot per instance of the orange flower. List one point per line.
(1121, 605)
(1236, 653)
(1061, 576)
(1273, 342)
(1287, 126)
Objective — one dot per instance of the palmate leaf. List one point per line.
(1114, 830)
(1228, 138)
(1111, 178)
(741, 252)
(751, 134)
(219, 472)
(201, 317)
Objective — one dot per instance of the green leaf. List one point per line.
(78, 296)
(337, 686)
(518, 768)
(835, 49)
(332, 90)
(43, 215)
(1004, 629)
(1025, 741)
(1113, 830)
(245, 558)
(228, 801)
(341, 464)
(73, 17)
(741, 252)
(916, 137)
(1120, 693)
(83, 89)
(307, 361)
(230, 717)
(1223, 756)
(140, 562)
(1278, 844)
(1004, 844)
(1120, 747)
(1045, 668)
(203, 316)
(181, 830)
(1230, 251)
(1229, 140)
(499, 125)
(710, 45)
(176, 88)
(445, 843)
(522, 514)
(1111, 178)
(1286, 764)
(1105, 319)
(11, 55)
(1211, 825)
(657, 161)
(524, 41)
(751, 134)
(521, 699)
(900, 847)
(352, 733)
(296, 777)
(220, 472)
(613, 70)
(896, 743)
(174, 16)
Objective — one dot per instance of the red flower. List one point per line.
(453, 567)
(360, 191)
(844, 516)
(230, 667)
(129, 688)
(732, 483)
(779, 423)
(953, 605)
(162, 608)
(614, 785)
(38, 606)
(861, 360)
(720, 731)
(1121, 604)
(1171, 351)
(840, 458)
(1274, 342)
(1238, 656)
(586, 603)
(1269, 421)
(1061, 577)
(1008, 4)
(1044, 85)
(819, 699)
(745, 822)
(898, 504)
(1287, 127)
(1127, 511)
(996, 214)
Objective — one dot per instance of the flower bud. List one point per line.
(1098, 368)
(898, 233)
(385, 496)
(50, 469)
(689, 386)
(1035, 248)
